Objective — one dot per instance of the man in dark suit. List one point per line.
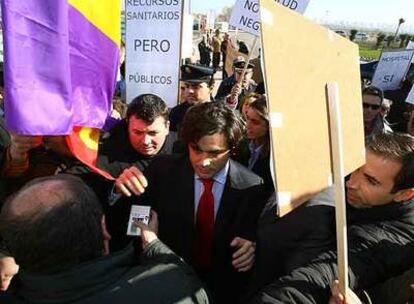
(208, 204)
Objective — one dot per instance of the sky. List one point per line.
(370, 13)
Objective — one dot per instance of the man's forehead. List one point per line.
(381, 168)
(371, 99)
(140, 124)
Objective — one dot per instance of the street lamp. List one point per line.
(400, 21)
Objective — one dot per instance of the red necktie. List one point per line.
(204, 227)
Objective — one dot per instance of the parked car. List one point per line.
(361, 36)
(342, 33)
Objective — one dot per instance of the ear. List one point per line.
(167, 125)
(404, 195)
(106, 235)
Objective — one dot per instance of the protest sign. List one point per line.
(298, 6)
(295, 82)
(410, 45)
(410, 97)
(311, 145)
(391, 69)
(153, 46)
(245, 16)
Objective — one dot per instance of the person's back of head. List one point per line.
(211, 118)
(52, 224)
(147, 107)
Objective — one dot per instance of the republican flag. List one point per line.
(61, 62)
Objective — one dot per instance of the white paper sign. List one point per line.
(245, 16)
(410, 45)
(153, 32)
(138, 213)
(295, 5)
(391, 69)
(410, 97)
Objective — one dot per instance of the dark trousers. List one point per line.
(216, 60)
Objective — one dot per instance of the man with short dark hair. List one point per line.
(380, 226)
(143, 134)
(208, 204)
(55, 229)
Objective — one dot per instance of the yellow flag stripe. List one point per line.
(104, 14)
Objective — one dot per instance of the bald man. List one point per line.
(55, 229)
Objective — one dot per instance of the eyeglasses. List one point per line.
(372, 106)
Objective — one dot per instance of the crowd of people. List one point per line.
(214, 235)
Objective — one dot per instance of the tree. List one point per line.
(390, 39)
(380, 39)
(353, 33)
(403, 37)
(400, 21)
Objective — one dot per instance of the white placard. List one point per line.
(391, 69)
(245, 16)
(138, 213)
(298, 6)
(410, 45)
(153, 31)
(410, 97)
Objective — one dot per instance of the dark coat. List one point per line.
(227, 84)
(380, 246)
(262, 165)
(170, 192)
(177, 114)
(115, 155)
(160, 277)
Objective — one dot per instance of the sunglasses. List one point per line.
(372, 106)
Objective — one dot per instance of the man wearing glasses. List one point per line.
(233, 89)
(207, 204)
(374, 122)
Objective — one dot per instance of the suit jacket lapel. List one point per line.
(228, 204)
(185, 189)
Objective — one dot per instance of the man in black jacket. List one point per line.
(208, 204)
(55, 229)
(380, 218)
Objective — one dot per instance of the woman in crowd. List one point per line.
(254, 151)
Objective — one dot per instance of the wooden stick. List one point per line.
(256, 39)
(338, 173)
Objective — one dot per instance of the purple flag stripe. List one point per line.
(60, 70)
(94, 61)
(36, 68)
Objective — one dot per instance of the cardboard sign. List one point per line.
(153, 49)
(245, 16)
(391, 69)
(296, 74)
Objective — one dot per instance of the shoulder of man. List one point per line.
(242, 178)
